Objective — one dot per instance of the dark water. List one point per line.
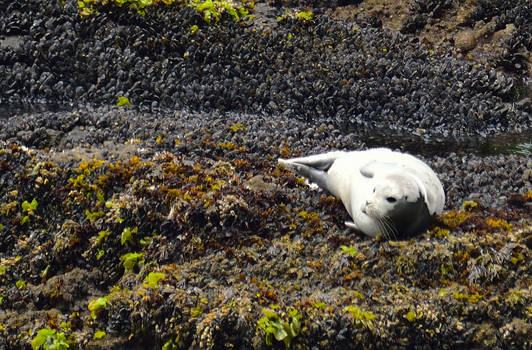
(507, 143)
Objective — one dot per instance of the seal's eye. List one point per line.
(391, 199)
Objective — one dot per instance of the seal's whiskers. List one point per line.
(387, 226)
(381, 226)
(393, 228)
(384, 227)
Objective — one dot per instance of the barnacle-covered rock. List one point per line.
(96, 200)
(320, 70)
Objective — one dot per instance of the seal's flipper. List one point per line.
(318, 161)
(314, 175)
(351, 225)
(314, 168)
(371, 168)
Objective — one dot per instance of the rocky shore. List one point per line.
(166, 223)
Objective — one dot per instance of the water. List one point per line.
(506, 143)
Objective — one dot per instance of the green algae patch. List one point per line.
(122, 101)
(361, 318)
(411, 316)
(276, 328)
(87, 8)
(127, 236)
(102, 237)
(469, 206)
(304, 16)
(210, 10)
(93, 216)
(348, 250)
(499, 224)
(97, 306)
(21, 284)
(49, 339)
(153, 279)
(29, 207)
(238, 127)
(131, 261)
(470, 298)
(100, 334)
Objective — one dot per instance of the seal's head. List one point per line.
(397, 204)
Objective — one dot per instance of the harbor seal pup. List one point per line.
(386, 192)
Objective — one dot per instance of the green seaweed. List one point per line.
(305, 16)
(97, 306)
(99, 334)
(361, 318)
(212, 10)
(86, 7)
(132, 260)
(93, 216)
(275, 327)
(348, 250)
(153, 279)
(102, 237)
(411, 316)
(127, 235)
(122, 101)
(49, 339)
(29, 207)
(21, 285)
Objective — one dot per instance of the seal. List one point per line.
(386, 192)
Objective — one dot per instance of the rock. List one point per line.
(504, 33)
(465, 40)
(257, 183)
(527, 175)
